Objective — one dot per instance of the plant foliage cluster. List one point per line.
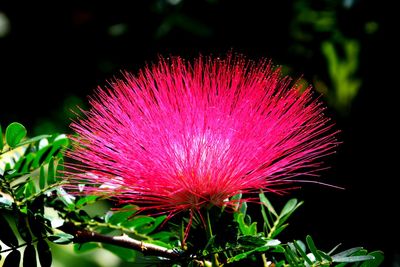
(36, 209)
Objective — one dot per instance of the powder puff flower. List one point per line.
(180, 136)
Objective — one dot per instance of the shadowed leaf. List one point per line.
(44, 253)
(12, 259)
(29, 257)
(6, 233)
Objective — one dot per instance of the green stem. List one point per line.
(110, 226)
(272, 230)
(41, 192)
(84, 236)
(22, 245)
(214, 257)
(264, 259)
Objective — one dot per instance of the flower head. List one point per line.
(179, 135)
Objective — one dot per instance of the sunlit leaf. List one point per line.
(42, 178)
(61, 238)
(244, 228)
(30, 189)
(143, 224)
(347, 252)
(121, 216)
(243, 208)
(60, 168)
(34, 139)
(85, 201)
(353, 258)
(15, 132)
(313, 249)
(41, 156)
(289, 207)
(264, 200)
(65, 197)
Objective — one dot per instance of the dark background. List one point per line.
(53, 55)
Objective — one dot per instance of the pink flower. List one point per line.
(180, 136)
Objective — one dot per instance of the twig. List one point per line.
(83, 236)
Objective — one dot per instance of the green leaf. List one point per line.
(57, 146)
(244, 228)
(279, 249)
(30, 189)
(48, 151)
(15, 132)
(60, 167)
(243, 208)
(269, 244)
(85, 201)
(312, 248)
(163, 236)
(120, 217)
(353, 258)
(1, 139)
(29, 259)
(266, 225)
(42, 178)
(209, 244)
(378, 255)
(144, 224)
(279, 230)
(126, 254)
(264, 200)
(291, 257)
(41, 156)
(61, 238)
(236, 201)
(325, 256)
(302, 252)
(289, 207)
(44, 253)
(254, 241)
(347, 252)
(66, 198)
(240, 256)
(34, 139)
(51, 172)
(6, 233)
(12, 259)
